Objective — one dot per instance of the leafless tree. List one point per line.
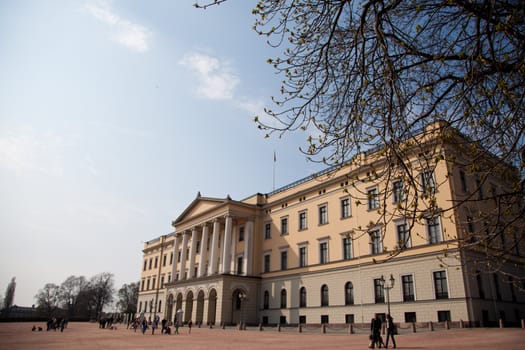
(48, 299)
(365, 76)
(128, 296)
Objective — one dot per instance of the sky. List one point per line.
(113, 116)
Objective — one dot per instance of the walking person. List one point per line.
(390, 330)
(144, 325)
(375, 328)
(189, 326)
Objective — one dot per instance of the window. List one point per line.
(444, 316)
(283, 299)
(156, 261)
(150, 262)
(479, 281)
(198, 246)
(323, 252)
(239, 264)
(154, 284)
(284, 226)
(345, 208)
(266, 262)
(434, 230)
(349, 318)
(147, 284)
(302, 220)
(428, 186)
(266, 300)
(164, 258)
(324, 295)
(324, 319)
(140, 306)
(323, 214)
(160, 306)
(410, 317)
(463, 181)
(398, 194)
(267, 230)
(496, 286)
(142, 285)
(284, 260)
(379, 293)
(373, 198)
(302, 256)
(302, 319)
(145, 264)
(349, 293)
(171, 258)
(408, 287)
(376, 245)
(241, 234)
(440, 285)
(302, 297)
(162, 282)
(347, 248)
(479, 187)
(282, 319)
(403, 235)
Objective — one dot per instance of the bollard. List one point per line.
(323, 328)
(447, 324)
(413, 327)
(300, 328)
(522, 323)
(351, 328)
(461, 325)
(223, 325)
(260, 327)
(279, 327)
(430, 326)
(501, 323)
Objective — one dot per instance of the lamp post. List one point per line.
(387, 286)
(242, 298)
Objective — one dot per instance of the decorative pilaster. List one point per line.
(248, 249)
(175, 257)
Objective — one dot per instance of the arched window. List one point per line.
(302, 297)
(349, 293)
(324, 295)
(266, 300)
(283, 299)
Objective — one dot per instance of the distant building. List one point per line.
(307, 253)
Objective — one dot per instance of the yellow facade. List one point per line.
(315, 251)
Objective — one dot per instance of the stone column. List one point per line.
(175, 256)
(203, 252)
(226, 253)
(248, 249)
(183, 255)
(193, 249)
(212, 268)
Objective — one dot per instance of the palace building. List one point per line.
(335, 248)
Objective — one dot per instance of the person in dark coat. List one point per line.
(390, 330)
(375, 328)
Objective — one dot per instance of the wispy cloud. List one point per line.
(131, 35)
(216, 79)
(23, 150)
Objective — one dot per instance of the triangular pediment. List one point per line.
(200, 207)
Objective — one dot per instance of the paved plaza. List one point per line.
(88, 336)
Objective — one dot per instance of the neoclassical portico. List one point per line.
(214, 240)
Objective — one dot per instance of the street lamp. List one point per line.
(387, 287)
(242, 298)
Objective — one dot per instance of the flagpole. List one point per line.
(274, 161)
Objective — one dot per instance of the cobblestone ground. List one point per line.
(88, 336)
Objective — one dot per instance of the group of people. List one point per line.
(143, 324)
(375, 329)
